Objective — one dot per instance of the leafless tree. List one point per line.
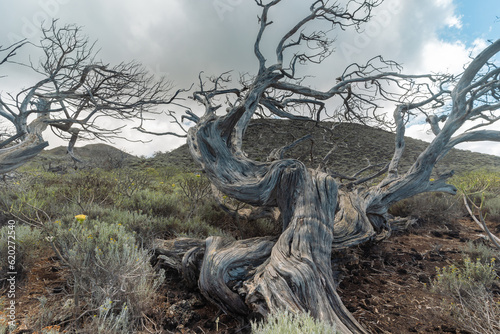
(294, 272)
(75, 91)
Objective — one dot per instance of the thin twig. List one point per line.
(482, 224)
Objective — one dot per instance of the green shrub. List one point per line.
(150, 202)
(95, 184)
(283, 322)
(128, 181)
(196, 227)
(492, 208)
(195, 188)
(469, 287)
(108, 322)
(481, 251)
(431, 207)
(28, 245)
(146, 227)
(471, 274)
(106, 264)
(480, 185)
(27, 205)
(477, 181)
(38, 196)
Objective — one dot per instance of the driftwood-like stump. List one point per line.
(294, 272)
(262, 275)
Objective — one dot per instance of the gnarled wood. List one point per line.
(260, 275)
(73, 93)
(17, 155)
(14, 156)
(297, 275)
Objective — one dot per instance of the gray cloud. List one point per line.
(180, 38)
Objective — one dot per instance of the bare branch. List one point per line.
(11, 50)
(278, 154)
(78, 91)
(481, 223)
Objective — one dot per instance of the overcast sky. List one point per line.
(180, 38)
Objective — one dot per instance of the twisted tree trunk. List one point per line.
(262, 275)
(294, 273)
(298, 275)
(14, 156)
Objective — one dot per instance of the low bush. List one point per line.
(478, 181)
(467, 277)
(469, 286)
(106, 264)
(483, 189)
(195, 188)
(152, 202)
(24, 243)
(196, 227)
(106, 321)
(492, 208)
(283, 322)
(432, 208)
(146, 227)
(482, 251)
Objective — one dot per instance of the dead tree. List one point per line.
(74, 93)
(294, 272)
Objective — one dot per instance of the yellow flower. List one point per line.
(431, 180)
(198, 175)
(173, 185)
(81, 218)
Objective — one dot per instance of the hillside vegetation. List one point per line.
(87, 236)
(354, 145)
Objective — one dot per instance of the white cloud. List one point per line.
(183, 37)
(423, 132)
(441, 56)
(454, 22)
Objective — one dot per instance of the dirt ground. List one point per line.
(388, 289)
(385, 286)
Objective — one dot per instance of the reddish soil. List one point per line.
(385, 286)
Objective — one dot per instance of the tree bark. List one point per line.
(298, 275)
(14, 156)
(294, 273)
(262, 275)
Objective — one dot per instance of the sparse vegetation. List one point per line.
(110, 273)
(482, 188)
(28, 243)
(432, 208)
(283, 322)
(144, 203)
(101, 225)
(482, 251)
(469, 285)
